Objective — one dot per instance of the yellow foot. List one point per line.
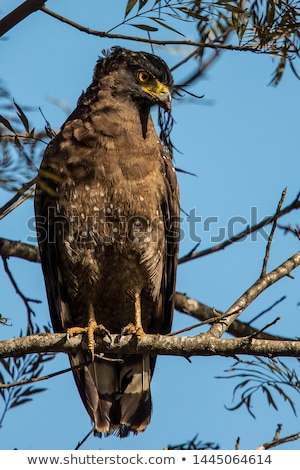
(90, 330)
(132, 329)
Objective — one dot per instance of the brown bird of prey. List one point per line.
(107, 214)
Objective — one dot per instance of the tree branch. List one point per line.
(253, 292)
(19, 250)
(201, 345)
(22, 194)
(202, 312)
(19, 14)
(279, 442)
(183, 303)
(236, 238)
(161, 42)
(270, 239)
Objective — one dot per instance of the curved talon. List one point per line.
(128, 330)
(90, 330)
(132, 329)
(75, 330)
(139, 332)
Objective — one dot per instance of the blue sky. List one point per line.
(242, 142)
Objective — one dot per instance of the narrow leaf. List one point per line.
(6, 123)
(129, 6)
(145, 27)
(193, 14)
(22, 117)
(17, 142)
(142, 3)
(271, 402)
(234, 8)
(32, 391)
(165, 25)
(19, 402)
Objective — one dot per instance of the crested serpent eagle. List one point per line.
(107, 215)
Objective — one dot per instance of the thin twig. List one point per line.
(21, 193)
(277, 433)
(270, 239)
(204, 65)
(200, 311)
(249, 230)
(4, 321)
(185, 60)
(209, 321)
(18, 203)
(26, 300)
(80, 443)
(20, 383)
(287, 228)
(253, 292)
(161, 42)
(192, 251)
(24, 136)
(279, 442)
(266, 310)
(256, 333)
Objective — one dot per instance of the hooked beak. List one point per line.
(164, 100)
(160, 93)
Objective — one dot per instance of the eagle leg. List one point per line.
(137, 327)
(90, 330)
(138, 316)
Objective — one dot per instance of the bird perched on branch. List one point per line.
(107, 216)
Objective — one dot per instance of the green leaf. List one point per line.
(145, 27)
(235, 22)
(17, 142)
(129, 6)
(32, 391)
(22, 116)
(142, 3)
(285, 397)
(241, 30)
(271, 402)
(193, 14)
(19, 402)
(6, 124)
(161, 23)
(234, 9)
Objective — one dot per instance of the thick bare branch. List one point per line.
(253, 292)
(19, 250)
(183, 303)
(201, 345)
(202, 312)
(18, 15)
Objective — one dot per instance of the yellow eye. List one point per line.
(144, 77)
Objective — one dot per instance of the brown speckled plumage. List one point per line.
(107, 208)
